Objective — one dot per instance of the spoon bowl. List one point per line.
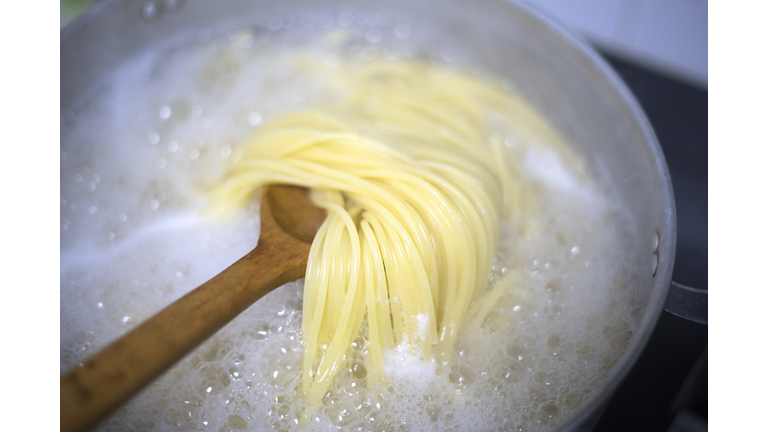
(289, 222)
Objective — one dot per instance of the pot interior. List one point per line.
(558, 74)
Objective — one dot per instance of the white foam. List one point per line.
(406, 364)
(89, 254)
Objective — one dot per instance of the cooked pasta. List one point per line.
(415, 182)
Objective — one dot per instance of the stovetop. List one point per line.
(666, 391)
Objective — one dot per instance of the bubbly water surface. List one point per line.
(141, 149)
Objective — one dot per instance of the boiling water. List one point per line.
(138, 154)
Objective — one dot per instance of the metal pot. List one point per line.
(561, 75)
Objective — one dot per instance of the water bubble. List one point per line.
(259, 19)
(165, 112)
(553, 340)
(225, 151)
(514, 349)
(353, 44)
(448, 54)
(233, 33)
(409, 50)
(194, 153)
(78, 178)
(161, 163)
(254, 118)
(358, 370)
(154, 204)
(619, 342)
(308, 21)
(284, 411)
(288, 22)
(510, 141)
(262, 333)
(549, 409)
(111, 235)
(373, 35)
(150, 10)
(368, 53)
(553, 286)
(402, 31)
(93, 209)
(91, 187)
(573, 400)
(246, 41)
(154, 138)
(275, 22)
(171, 6)
(204, 35)
(123, 217)
(575, 250)
(467, 374)
(372, 20)
(392, 52)
(173, 146)
(325, 20)
(433, 411)
(63, 156)
(345, 19)
(100, 305)
(197, 111)
(125, 319)
(237, 422)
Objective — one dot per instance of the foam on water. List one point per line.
(138, 155)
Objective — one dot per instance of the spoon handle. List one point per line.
(111, 377)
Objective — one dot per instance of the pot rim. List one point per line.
(594, 405)
(587, 413)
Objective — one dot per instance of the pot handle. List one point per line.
(686, 302)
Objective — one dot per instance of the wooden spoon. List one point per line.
(289, 222)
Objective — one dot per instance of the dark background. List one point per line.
(667, 388)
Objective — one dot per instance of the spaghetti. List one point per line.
(415, 182)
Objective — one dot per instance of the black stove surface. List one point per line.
(667, 388)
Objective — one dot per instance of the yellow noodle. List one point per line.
(415, 183)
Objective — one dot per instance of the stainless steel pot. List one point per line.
(561, 75)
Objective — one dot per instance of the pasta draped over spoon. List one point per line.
(415, 179)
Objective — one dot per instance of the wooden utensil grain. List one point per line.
(289, 222)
